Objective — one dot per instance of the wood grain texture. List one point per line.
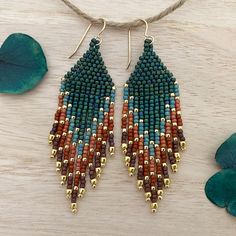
(197, 43)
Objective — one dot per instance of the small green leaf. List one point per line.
(226, 153)
(220, 189)
(22, 64)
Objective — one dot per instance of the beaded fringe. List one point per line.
(83, 126)
(151, 125)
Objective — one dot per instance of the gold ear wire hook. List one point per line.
(129, 49)
(81, 41)
(100, 33)
(146, 32)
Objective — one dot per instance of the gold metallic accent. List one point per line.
(93, 182)
(154, 207)
(103, 161)
(177, 157)
(164, 164)
(81, 192)
(112, 150)
(127, 160)
(63, 179)
(131, 171)
(174, 167)
(140, 184)
(146, 32)
(100, 33)
(73, 207)
(160, 194)
(124, 146)
(146, 177)
(81, 41)
(183, 145)
(98, 172)
(68, 193)
(62, 122)
(148, 196)
(53, 153)
(58, 166)
(129, 49)
(50, 138)
(167, 182)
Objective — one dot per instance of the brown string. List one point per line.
(130, 24)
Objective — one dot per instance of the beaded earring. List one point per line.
(83, 126)
(151, 123)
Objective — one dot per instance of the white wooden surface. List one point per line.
(197, 43)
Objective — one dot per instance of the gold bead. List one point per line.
(140, 184)
(160, 194)
(177, 157)
(131, 171)
(93, 182)
(53, 153)
(103, 161)
(73, 207)
(81, 192)
(50, 138)
(167, 182)
(124, 146)
(58, 166)
(63, 179)
(98, 170)
(68, 193)
(112, 151)
(127, 160)
(148, 196)
(183, 145)
(154, 207)
(174, 167)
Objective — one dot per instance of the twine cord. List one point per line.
(130, 24)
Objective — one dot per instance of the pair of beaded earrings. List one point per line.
(84, 121)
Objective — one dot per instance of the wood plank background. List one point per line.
(197, 43)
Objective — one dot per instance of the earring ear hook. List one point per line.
(85, 34)
(81, 40)
(147, 36)
(100, 33)
(104, 26)
(129, 49)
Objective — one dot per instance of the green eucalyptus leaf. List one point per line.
(220, 189)
(22, 64)
(226, 153)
